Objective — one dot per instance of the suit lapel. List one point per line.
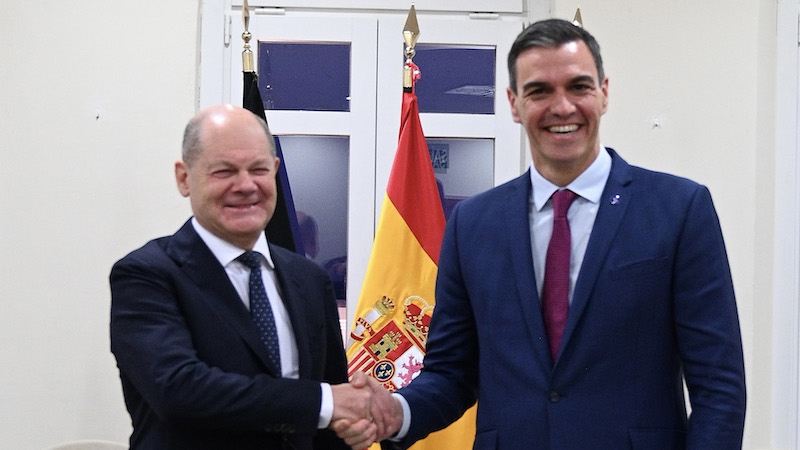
(518, 232)
(291, 292)
(606, 224)
(202, 267)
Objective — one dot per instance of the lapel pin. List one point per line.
(615, 199)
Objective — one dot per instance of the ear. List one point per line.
(182, 177)
(512, 100)
(604, 90)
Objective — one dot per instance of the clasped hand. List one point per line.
(364, 412)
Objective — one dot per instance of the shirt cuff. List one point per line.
(406, 418)
(326, 406)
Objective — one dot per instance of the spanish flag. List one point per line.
(388, 336)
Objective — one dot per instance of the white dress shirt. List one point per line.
(239, 274)
(581, 214)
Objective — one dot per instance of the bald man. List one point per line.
(223, 340)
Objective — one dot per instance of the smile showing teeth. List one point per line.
(563, 129)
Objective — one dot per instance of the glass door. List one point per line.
(332, 86)
(317, 80)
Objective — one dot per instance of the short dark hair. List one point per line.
(192, 138)
(551, 33)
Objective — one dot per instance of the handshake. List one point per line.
(364, 412)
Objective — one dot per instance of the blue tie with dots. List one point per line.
(260, 308)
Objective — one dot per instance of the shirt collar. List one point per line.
(224, 251)
(589, 184)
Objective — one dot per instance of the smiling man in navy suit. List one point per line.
(587, 349)
(197, 371)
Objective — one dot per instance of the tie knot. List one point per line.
(251, 259)
(561, 202)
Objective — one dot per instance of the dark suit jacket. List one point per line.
(195, 374)
(653, 303)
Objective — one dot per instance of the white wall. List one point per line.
(94, 98)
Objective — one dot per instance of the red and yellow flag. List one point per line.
(397, 298)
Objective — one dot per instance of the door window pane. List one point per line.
(462, 167)
(304, 76)
(455, 78)
(317, 169)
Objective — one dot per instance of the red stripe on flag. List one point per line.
(412, 185)
(358, 362)
(365, 366)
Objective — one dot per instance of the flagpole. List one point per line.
(247, 53)
(410, 35)
(578, 20)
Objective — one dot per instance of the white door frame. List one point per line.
(785, 431)
(361, 33)
(220, 74)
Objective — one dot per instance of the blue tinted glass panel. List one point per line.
(304, 76)
(317, 168)
(455, 79)
(463, 168)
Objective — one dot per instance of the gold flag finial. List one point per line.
(247, 54)
(578, 20)
(410, 35)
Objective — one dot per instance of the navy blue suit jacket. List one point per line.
(653, 303)
(195, 374)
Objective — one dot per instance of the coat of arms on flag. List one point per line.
(392, 354)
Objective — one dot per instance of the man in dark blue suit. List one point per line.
(646, 298)
(197, 372)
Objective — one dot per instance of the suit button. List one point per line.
(554, 397)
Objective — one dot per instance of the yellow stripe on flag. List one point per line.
(398, 268)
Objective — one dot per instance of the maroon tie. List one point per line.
(555, 292)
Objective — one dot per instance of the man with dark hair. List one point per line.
(222, 340)
(573, 302)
